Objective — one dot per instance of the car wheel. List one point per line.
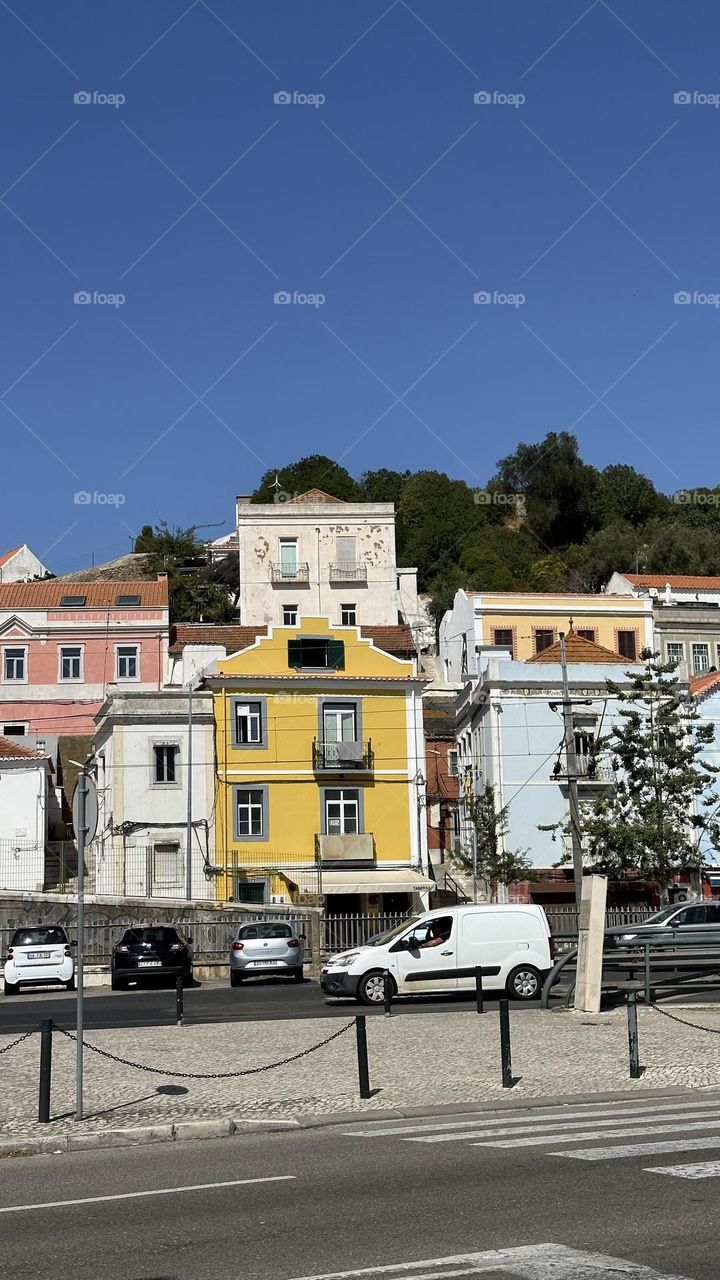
(235, 978)
(299, 975)
(70, 986)
(371, 988)
(524, 983)
(11, 988)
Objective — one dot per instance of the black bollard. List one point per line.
(179, 1000)
(46, 1031)
(479, 990)
(633, 1046)
(505, 1052)
(387, 992)
(362, 1055)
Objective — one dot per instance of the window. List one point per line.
(71, 662)
(586, 633)
(691, 915)
(348, 615)
(675, 652)
(14, 664)
(452, 763)
(342, 812)
(128, 600)
(167, 873)
(127, 662)
(250, 813)
(627, 644)
(289, 615)
(543, 640)
(249, 890)
(700, 658)
(318, 654)
(503, 636)
(288, 558)
(248, 723)
(252, 932)
(165, 756)
(72, 602)
(345, 552)
(13, 730)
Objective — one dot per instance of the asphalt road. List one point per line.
(330, 1203)
(261, 999)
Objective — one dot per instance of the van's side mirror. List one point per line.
(404, 944)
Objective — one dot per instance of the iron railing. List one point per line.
(290, 572)
(341, 757)
(348, 571)
(339, 933)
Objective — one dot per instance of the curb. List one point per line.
(226, 1127)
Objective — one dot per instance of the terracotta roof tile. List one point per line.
(397, 640)
(680, 581)
(8, 555)
(98, 595)
(231, 637)
(315, 495)
(11, 749)
(578, 649)
(705, 683)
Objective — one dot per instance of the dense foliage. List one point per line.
(199, 591)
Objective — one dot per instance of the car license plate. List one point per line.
(38, 955)
(263, 963)
(149, 964)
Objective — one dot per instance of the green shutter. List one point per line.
(295, 653)
(336, 655)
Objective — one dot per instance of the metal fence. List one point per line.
(338, 933)
(564, 921)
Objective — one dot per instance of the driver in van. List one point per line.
(438, 932)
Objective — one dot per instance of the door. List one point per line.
(689, 926)
(424, 958)
(288, 557)
(338, 726)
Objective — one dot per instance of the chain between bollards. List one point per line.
(362, 1055)
(46, 1031)
(505, 1050)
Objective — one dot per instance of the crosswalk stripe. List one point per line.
(594, 1110)
(639, 1149)
(548, 1126)
(706, 1169)
(586, 1135)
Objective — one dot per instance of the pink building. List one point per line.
(64, 643)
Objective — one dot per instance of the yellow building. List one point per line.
(320, 756)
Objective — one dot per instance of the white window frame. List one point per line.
(10, 727)
(167, 848)
(348, 800)
(252, 808)
(344, 561)
(675, 644)
(289, 609)
(284, 543)
(79, 651)
(127, 679)
(164, 747)
(348, 608)
(15, 649)
(694, 646)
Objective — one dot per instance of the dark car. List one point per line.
(151, 951)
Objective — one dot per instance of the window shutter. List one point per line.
(295, 653)
(336, 655)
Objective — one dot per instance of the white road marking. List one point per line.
(373, 1130)
(548, 1126)
(528, 1262)
(586, 1135)
(136, 1195)
(639, 1149)
(708, 1169)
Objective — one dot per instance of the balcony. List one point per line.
(289, 573)
(590, 771)
(342, 757)
(359, 847)
(348, 571)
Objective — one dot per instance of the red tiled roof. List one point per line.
(397, 640)
(11, 749)
(257, 677)
(680, 581)
(700, 685)
(577, 649)
(98, 595)
(232, 638)
(8, 555)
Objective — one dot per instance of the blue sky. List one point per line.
(396, 200)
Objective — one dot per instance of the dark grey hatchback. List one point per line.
(152, 951)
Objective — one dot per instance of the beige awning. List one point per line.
(401, 880)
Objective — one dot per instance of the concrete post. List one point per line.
(314, 939)
(590, 944)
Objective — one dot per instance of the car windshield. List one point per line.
(380, 939)
(250, 931)
(152, 934)
(40, 937)
(661, 916)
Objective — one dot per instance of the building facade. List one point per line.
(319, 771)
(20, 564)
(27, 805)
(686, 612)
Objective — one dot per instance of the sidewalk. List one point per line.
(427, 1060)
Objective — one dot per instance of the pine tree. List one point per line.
(492, 862)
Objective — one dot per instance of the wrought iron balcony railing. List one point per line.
(290, 572)
(348, 571)
(342, 757)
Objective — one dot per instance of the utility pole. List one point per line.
(571, 766)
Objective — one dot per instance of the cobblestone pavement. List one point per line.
(418, 1061)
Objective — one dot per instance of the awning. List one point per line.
(401, 880)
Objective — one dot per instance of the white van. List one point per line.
(440, 951)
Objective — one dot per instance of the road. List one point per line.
(577, 1193)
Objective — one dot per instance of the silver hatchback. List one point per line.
(266, 947)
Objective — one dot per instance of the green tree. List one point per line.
(557, 486)
(663, 795)
(199, 591)
(313, 472)
(485, 571)
(622, 493)
(491, 861)
(547, 573)
(383, 485)
(434, 517)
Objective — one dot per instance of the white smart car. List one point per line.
(39, 956)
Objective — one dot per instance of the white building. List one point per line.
(141, 763)
(21, 565)
(26, 801)
(315, 556)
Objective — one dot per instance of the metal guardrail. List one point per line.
(654, 960)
